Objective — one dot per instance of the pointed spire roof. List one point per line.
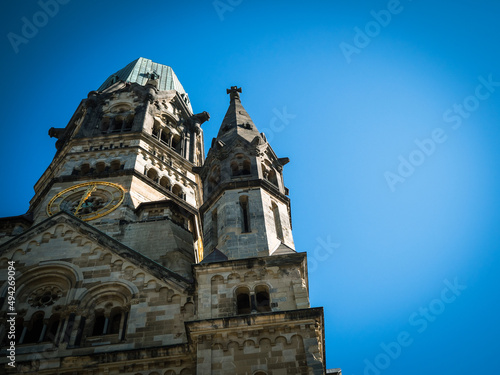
(141, 70)
(237, 122)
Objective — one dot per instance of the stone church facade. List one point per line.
(139, 256)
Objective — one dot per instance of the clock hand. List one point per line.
(86, 196)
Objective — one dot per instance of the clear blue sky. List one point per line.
(393, 139)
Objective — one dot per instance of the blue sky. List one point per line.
(389, 112)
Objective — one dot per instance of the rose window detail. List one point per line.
(45, 296)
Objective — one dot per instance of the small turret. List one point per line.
(242, 170)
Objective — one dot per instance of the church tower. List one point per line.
(246, 211)
(138, 256)
(126, 158)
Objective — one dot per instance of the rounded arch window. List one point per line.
(152, 174)
(246, 167)
(129, 121)
(165, 182)
(235, 169)
(100, 167)
(99, 323)
(115, 165)
(108, 307)
(85, 169)
(117, 124)
(262, 299)
(35, 328)
(165, 136)
(156, 129)
(177, 190)
(272, 177)
(176, 143)
(243, 304)
(115, 319)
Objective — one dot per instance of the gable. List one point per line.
(80, 282)
(90, 254)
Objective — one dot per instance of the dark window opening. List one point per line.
(272, 177)
(246, 168)
(115, 165)
(115, 323)
(262, 298)
(243, 301)
(277, 222)
(34, 330)
(164, 181)
(152, 174)
(245, 215)
(85, 169)
(235, 168)
(99, 323)
(100, 167)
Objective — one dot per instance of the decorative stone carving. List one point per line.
(45, 296)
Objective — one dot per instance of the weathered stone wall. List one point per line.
(232, 240)
(163, 241)
(274, 343)
(283, 275)
(268, 202)
(85, 279)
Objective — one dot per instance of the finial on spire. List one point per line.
(234, 91)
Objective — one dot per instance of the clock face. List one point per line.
(87, 201)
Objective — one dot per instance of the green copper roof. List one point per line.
(138, 71)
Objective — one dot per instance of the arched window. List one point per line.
(129, 121)
(156, 130)
(107, 324)
(117, 124)
(176, 143)
(42, 292)
(271, 176)
(152, 174)
(109, 306)
(246, 167)
(177, 190)
(245, 214)
(99, 323)
(35, 328)
(52, 328)
(243, 305)
(235, 169)
(100, 167)
(262, 299)
(240, 166)
(115, 165)
(277, 221)
(165, 182)
(115, 319)
(85, 169)
(165, 136)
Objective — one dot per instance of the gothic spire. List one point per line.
(237, 122)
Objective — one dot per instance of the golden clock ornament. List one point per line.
(88, 201)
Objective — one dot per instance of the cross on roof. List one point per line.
(234, 91)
